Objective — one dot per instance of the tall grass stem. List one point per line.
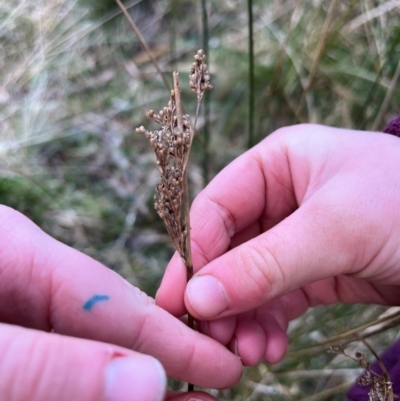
(388, 97)
(251, 140)
(318, 54)
(372, 90)
(185, 199)
(144, 44)
(207, 99)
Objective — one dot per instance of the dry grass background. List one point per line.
(74, 83)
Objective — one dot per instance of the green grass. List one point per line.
(75, 82)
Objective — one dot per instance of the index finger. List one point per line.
(49, 286)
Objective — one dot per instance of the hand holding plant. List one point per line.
(307, 217)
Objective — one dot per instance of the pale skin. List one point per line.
(309, 216)
(107, 335)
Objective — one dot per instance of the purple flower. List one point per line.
(391, 359)
(393, 127)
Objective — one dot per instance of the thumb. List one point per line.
(295, 252)
(57, 368)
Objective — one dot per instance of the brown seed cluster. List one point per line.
(199, 77)
(171, 146)
(380, 386)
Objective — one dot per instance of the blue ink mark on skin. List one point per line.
(88, 305)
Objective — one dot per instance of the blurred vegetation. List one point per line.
(75, 82)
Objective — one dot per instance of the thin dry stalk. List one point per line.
(389, 95)
(172, 144)
(278, 65)
(143, 43)
(206, 108)
(383, 323)
(381, 387)
(185, 195)
(251, 140)
(328, 393)
(318, 54)
(179, 113)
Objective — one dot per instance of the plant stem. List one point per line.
(206, 129)
(187, 259)
(368, 99)
(251, 73)
(382, 324)
(388, 97)
(178, 102)
(376, 356)
(185, 198)
(188, 248)
(143, 42)
(317, 57)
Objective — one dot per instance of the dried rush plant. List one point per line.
(172, 144)
(380, 385)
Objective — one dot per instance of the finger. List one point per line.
(276, 341)
(49, 286)
(248, 341)
(274, 319)
(261, 333)
(170, 294)
(275, 316)
(56, 368)
(220, 330)
(236, 201)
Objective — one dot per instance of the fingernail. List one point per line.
(234, 346)
(206, 296)
(135, 378)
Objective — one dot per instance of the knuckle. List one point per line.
(224, 215)
(17, 254)
(16, 230)
(289, 130)
(50, 367)
(298, 137)
(261, 267)
(23, 361)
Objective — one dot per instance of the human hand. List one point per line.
(309, 216)
(46, 286)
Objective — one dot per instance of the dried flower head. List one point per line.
(171, 145)
(199, 77)
(336, 349)
(362, 361)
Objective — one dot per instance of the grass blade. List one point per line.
(251, 140)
